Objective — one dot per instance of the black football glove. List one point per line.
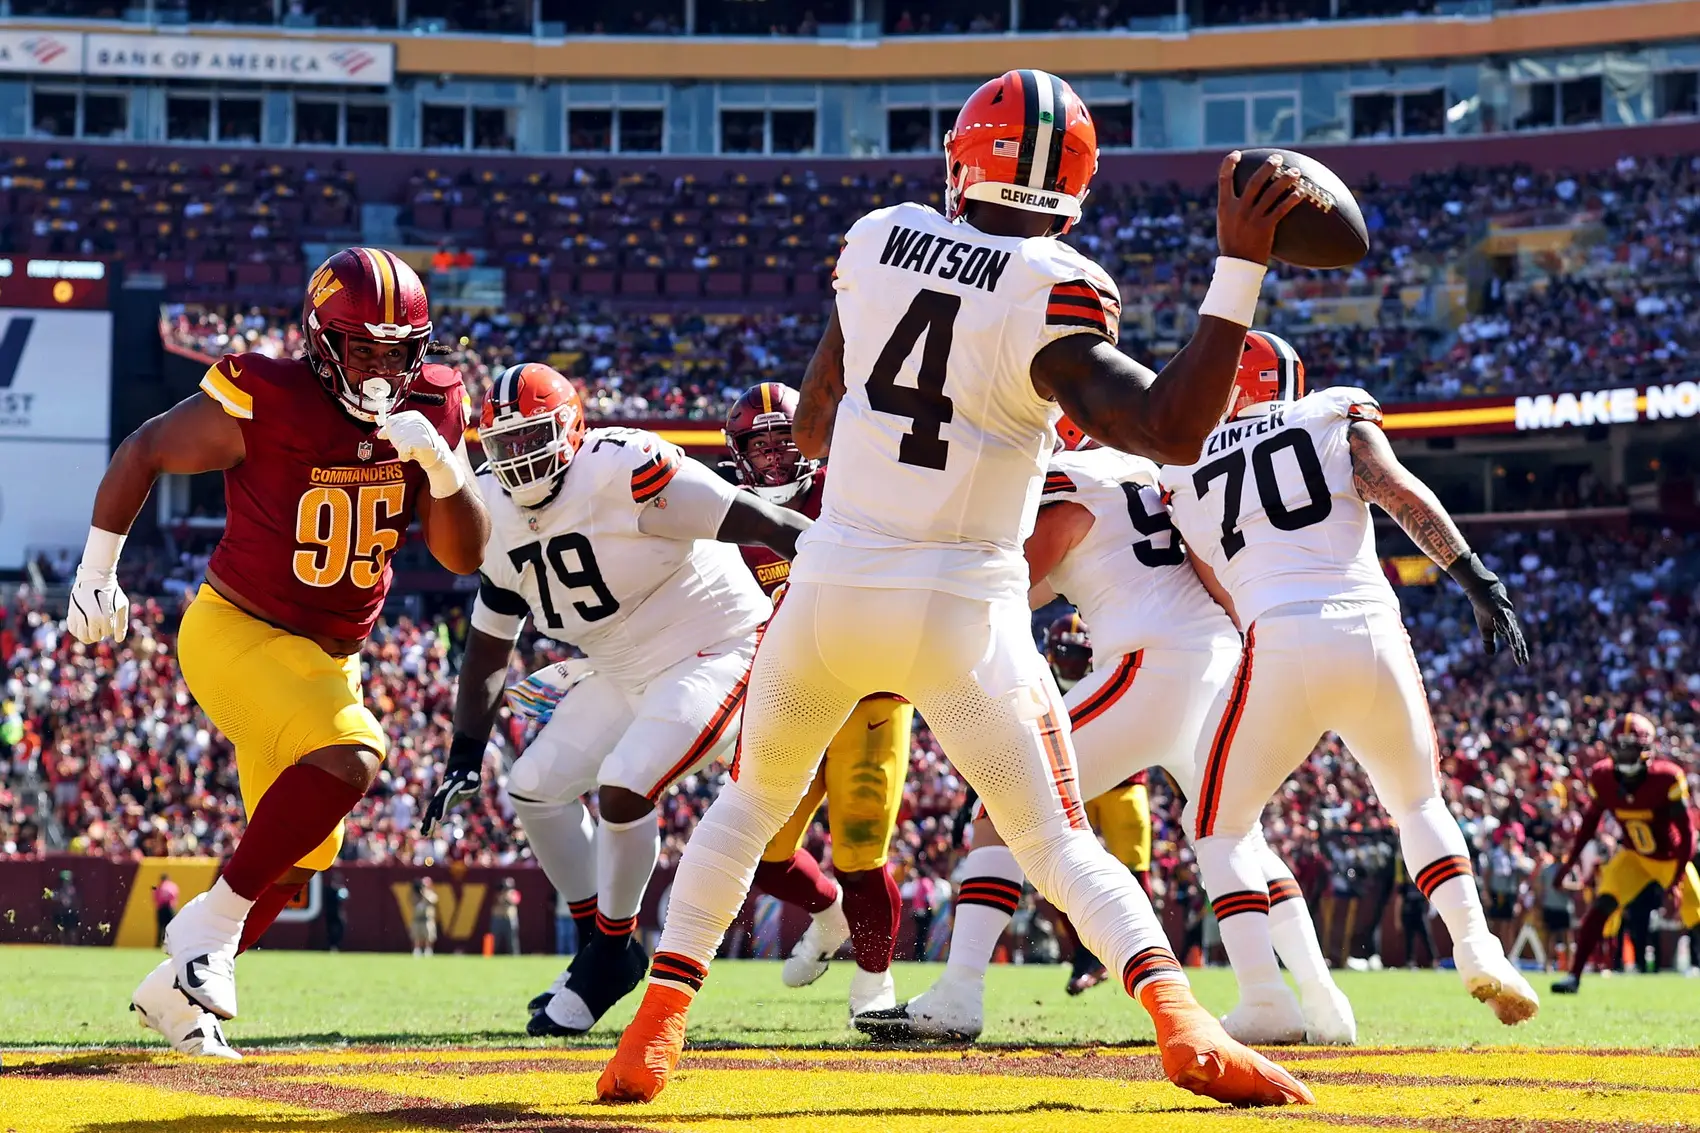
(1495, 617)
(460, 780)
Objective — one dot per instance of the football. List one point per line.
(1327, 231)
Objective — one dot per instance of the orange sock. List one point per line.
(649, 1047)
(1200, 1057)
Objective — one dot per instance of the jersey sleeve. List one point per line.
(693, 507)
(1353, 404)
(661, 461)
(1080, 298)
(230, 383)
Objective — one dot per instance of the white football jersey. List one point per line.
(636, 604)
(940, 442)
(1129, 576)
(1272, 509)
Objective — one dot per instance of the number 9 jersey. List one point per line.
(1271, 508)
(941, 441)
(319, 503)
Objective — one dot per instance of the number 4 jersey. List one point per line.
(1270, 507)
(941, 442)
(319, 503)
(622, 562)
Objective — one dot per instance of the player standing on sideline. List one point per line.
(954, 344)
(861, 777)
(1649, 798)
(607, 539)
(1276, 515)
(1104, 539)
(325, 467)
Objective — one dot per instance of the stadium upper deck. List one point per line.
(828, 78)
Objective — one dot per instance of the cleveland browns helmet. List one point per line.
(764, 455)
(1271, 372)
(1632, 739)
(1071, 437)
(531, 428)
(1069, 650)
(365, 294)
(1024, 141)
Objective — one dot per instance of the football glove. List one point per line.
(1495, 616)
(535, 697)
(416, 439)
(460, 780)
(98, 608)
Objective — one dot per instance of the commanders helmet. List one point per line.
(362, 298)
(764, 454)
(1270, 372)
(1024, 141)
(1069, 650)
(531, 428)
(1632, 739)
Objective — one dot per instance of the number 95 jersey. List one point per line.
(1271, 508)
(587, 569)
(940, 442)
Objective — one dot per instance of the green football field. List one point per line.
(59, 997)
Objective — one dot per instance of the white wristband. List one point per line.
(446, 477)
(1234, 290)
(100, 553)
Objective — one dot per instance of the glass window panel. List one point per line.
(1224, 122)
(1677, 93)
(442, 127)
(53, 114)
(1422, 113)
(1114, 121)
(793, 131)
(106, 115)
(641, 131)
(1374, 115)
(909, 131)
(239, 120)
(188, 119)
(316, 122)
(741, 131)
(1274, 119)
(367, 124)
(590, 131)
(491, 128)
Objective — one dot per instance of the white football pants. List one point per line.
(972, 672)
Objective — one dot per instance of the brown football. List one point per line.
(1327, 231)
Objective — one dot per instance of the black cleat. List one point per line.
(608, 970)
(897, 1026)
(1569, 985)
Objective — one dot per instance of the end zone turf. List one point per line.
(841, 1091)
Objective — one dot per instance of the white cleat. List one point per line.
(184, 1024)
(871, 991)
(821, 941)
(1491, 978)
(202, 941)
(1267, 1015)
(1328, 1015)
(950, 1011)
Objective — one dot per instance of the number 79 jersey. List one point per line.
(1272, 510)
(635, 603)
(940, 442)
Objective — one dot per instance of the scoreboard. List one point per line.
(28, 281)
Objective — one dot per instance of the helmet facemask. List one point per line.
(771, 464)
(528, 455)
(367, 393)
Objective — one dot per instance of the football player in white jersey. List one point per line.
(615, 541)
(1276, 515)
(954, 344)
(1163, 651)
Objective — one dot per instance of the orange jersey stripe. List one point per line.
(652, 479)
(1114, 689)
(1211, 790)
(1062, 770)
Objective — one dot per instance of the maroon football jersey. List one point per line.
(319, 503)
(1654, 816)
(770, 570)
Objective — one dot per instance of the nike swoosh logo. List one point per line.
(877, 724)
(709, 653)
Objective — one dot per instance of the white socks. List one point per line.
(1438, 860)
(625, 857)
(563, 840)
(1239, 896)
(989, 894)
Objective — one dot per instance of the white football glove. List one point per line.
(99, 607)
(416, 439)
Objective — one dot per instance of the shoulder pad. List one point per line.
(440, 377)
(232, 380)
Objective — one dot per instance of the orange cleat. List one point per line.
(1198, 1055)
(649, 1048)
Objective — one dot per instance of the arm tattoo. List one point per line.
(1380, 479)
(823, 389)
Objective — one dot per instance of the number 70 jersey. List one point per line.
(1271, 507)
(940, 443)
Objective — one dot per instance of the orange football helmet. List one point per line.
(370, 294)
(1071, 437)
(531, 428)
(1270, 371)
(1025, 141)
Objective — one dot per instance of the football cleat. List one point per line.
(826, 934)
(1491, 978)
(542, 998)
(950, 1011)
(871, 991)
(1267, 1015)
(1090, 978)
(202, 941)
(1329, 1020)
(649, 1048)
(1201, 1058)
(1566, 985)
(604, 973)
(188, 1027)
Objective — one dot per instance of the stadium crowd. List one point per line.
(126, 765)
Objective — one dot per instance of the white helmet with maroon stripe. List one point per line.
(531, 428)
